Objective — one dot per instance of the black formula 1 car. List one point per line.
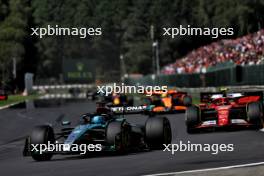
(105, 130)
(116, 100)
(111, 99)
(225, 110)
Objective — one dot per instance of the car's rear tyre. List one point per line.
(187, 100)
(118, 135)
(192, 118)
(157, 132)
(255, 113)
(41, 135)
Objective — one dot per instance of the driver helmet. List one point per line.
(98, 120)
(163, 95)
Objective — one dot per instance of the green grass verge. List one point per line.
(17, 98)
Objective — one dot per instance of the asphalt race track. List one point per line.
(17, 122)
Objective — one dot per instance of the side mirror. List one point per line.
(65, 123)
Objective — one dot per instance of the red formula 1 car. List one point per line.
(221, 109)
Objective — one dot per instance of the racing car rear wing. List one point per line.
(103, 107)
(128, 109)
(206, 97)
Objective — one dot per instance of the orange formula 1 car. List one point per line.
(226, 110)
(170, 102)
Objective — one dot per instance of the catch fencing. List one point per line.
(232, 76)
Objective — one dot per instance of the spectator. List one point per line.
(247, 50)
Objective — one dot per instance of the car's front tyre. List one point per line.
(118, 135)
(41, 135)
(157, 132)
(192, 118)
(255, 113)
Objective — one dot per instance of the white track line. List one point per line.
(9, 105)
(209, 169)
(261, 130)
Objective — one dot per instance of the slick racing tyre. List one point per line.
(41, 135)
(192, 118)
(118, 135)
(255, 113)
(187, 101)
(157, 132)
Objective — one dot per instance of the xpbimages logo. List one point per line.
(197, 31)
(59, 147)
(214, 149)
(82, 32)
(126, 89)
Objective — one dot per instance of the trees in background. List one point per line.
(13, 33)
(126, 30)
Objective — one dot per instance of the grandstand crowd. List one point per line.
(247, 50)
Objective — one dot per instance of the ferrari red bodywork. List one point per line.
(226, 111)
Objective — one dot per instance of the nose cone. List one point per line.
(223, 115)
(76, 134)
